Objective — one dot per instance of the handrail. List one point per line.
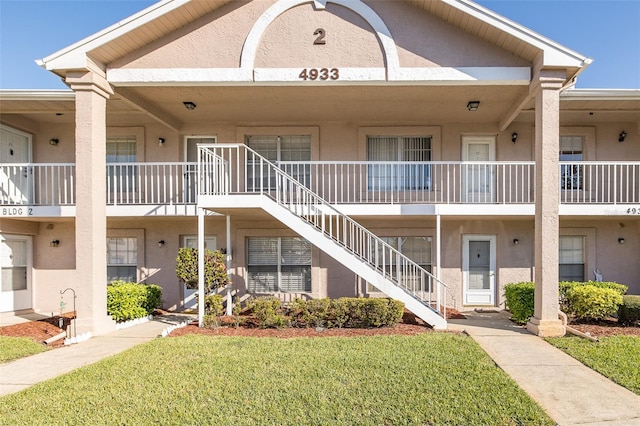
(236, 169)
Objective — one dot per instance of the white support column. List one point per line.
(438, 246)
(228, 262)
(200, 266)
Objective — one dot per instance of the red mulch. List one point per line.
(605, 328)
(40, 330)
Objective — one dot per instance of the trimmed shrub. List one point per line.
(564, 286)
(349, 312)
(269, 312)
(520, 300)
(213, 305)
(127, 301)
(215, 269)
(588, 302)
(629, 310)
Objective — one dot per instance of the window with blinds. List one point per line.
(571, 257)
(276, 149)
(571, 175)
(278, 264)
(122, 259)
(395, 172)
(121, 177)
(418, 249)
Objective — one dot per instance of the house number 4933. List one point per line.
(319, 74)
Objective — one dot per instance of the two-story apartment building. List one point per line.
(432, 151)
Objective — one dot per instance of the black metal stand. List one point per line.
(75, 314)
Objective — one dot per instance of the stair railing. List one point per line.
(226, 169)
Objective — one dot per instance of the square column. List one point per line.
(91, 215)
(545, 321)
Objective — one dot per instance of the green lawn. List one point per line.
(436, 378)
(617, 357)
(17, 347)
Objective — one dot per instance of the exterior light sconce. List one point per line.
(622, 136)
(54, 243)
(189, 105)
(161, 243)
(160, 141)
(620, 240)
(514, 137)
(473, 105)
(516, 241)
(54, 141)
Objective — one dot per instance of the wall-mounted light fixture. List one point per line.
(514, 137)
(161, 243)
(622, 136)
(54, 243)
(473, 105)
(54, 141)
(620, 240)
(160, 141)
(516, 241)
(189, 105)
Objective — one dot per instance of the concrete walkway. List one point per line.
(571, 393)
(25, 372)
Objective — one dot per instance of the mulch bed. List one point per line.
(606, 328)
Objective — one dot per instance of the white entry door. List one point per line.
(479, 269)
(189, 300)
(15, 279)
(478, 174)
(15, 172)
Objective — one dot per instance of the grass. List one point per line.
(17, 347)
(436, 378)
(616, 357)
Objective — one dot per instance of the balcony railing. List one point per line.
(435, 182)
(38, 184)
(339, 182)
(600, 183)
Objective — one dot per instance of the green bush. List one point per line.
(520, 300)
(215, 269)
(588, 302)
(213, 305)
(564, 286)
(629, 310)
(127, 301)
(269, 312)
(349, 312)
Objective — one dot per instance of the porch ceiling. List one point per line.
(362, 104)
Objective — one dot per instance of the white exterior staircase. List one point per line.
(232, 176)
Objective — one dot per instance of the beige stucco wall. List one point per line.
(216, 40)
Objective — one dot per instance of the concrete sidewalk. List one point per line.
(571, 393)
(25, 372)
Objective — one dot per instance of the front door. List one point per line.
(15, 279)
(478, 172)
(189, 300)
(479, 269)
(15, 172)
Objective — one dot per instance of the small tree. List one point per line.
(215, 270)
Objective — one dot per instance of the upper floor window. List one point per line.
(571, 150)
(276, 149)
(121, 149)
(394, 172)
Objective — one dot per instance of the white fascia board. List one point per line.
(74, 56)
(171, 76)
(37, 95)
(554, 53)
(600, 94)
(178, 76)
(487, 75)
(615, 210)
